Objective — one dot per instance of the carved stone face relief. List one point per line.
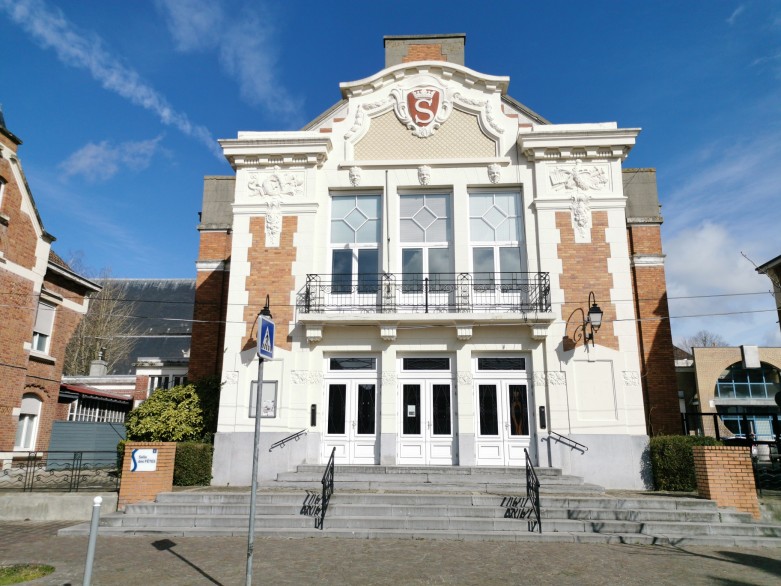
(355, 176)
(494, 172)
(424, 174)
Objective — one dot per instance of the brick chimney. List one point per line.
(405, 48)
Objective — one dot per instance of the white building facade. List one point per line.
(428, 247)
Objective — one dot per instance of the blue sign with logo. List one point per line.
(266, 338)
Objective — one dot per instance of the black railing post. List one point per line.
(716, 426)
(328, 487)
(425, 292)
(533, 494)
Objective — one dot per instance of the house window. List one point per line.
(2, 190)
(496, 237)
(159, 382)
(426, 236)
(42, 331)
(27, 428)
(356, 228)
(737, 382)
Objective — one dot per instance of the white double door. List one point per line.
(427, 434)
(352, 421)
(503, 423)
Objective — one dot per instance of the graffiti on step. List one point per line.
(517, 507)
(312, 506)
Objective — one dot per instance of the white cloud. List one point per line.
(245, 43)
(49, 27)
(709, 279)
(194, 24)
(735, 13)
(101, 161)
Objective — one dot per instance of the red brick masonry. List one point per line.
(137, 487)
(725, 475)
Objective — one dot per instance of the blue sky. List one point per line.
(119, 105)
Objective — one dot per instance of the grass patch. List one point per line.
(23, 573)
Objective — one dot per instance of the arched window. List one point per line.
(27, 429)
(737, 382)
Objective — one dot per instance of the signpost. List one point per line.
(265, 351)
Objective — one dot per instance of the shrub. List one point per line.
(120, 455)
(168, 415)
(193, 464)
(673, 462)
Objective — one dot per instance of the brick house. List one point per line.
(43, 301)
(431, 248)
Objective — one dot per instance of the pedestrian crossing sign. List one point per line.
(266, 338)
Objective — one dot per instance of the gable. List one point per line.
(459, 137)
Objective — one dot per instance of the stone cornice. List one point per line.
(577, 141)
(283, 149)
(442, 69)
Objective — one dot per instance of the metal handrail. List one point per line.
(328, 488)
(281, 443)
(533, 494)
(571, 443)
(383, 293)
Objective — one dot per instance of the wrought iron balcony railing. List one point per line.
(421, 293)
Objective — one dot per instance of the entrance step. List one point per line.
(434, 478)
(644, 519)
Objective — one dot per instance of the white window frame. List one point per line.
(27, 426)
(427, 245)
(43, 327)
(498, 245)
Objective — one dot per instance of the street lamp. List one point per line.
(592, 320)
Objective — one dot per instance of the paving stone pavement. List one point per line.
(152, 561)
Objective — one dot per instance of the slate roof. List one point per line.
(162, 311)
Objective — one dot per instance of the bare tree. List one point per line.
(107, 325)
(702, 339)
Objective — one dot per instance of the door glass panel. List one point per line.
(366, 409)
(336, 408)
(483, 265)
(411, 415)
(440, 409)
(342, 270)
(501, 363)
(519, 410)
(353, 363)
(426, 363)
(412, 270)
(489, 416)
(368, 267)
(510, 259)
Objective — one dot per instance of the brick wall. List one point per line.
(271, 273)
(584, 269)
(18, 238)
(724, 474)
(142, 387)
(428, 52)
(137, 487)
(209, 311)
(660, 385)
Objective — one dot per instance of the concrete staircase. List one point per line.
(440, 503)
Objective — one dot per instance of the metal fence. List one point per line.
(63, 471)
(426, 293)
(759, 431)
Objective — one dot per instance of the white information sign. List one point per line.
(143, 460)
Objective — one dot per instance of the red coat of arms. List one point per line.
(423, 104)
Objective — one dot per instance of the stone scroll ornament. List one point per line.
(422, 109)
(579, 179)
(273, 187)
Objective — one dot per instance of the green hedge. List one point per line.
(673, 462)
(193, 464)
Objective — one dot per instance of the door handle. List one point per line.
(428, 425)
(353, 424)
